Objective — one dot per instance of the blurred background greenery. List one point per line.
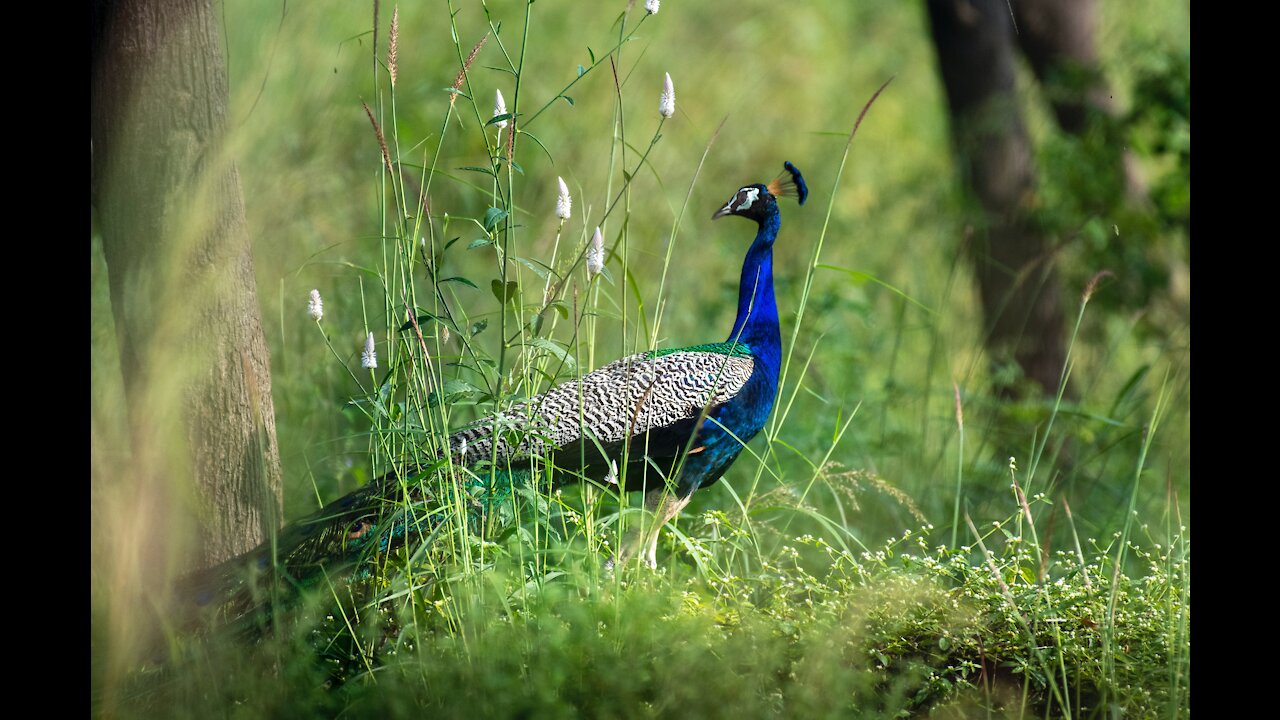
(788, 80)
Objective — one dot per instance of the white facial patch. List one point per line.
(749, 195)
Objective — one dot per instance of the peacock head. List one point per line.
(758, 202)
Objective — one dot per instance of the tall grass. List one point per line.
(788, 588)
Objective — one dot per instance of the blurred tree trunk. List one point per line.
(193, 356)
(1013, 257)
(1057, 39)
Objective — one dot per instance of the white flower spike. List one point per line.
(595, 254)
(369, 358)
(315, 306)
(499, 108)
(651, 6)
(667, 105)
(564, 203)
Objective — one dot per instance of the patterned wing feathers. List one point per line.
(626, 398)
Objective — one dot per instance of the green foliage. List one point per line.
(1121, 190)
(816, 632)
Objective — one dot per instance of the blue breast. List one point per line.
(724, 434)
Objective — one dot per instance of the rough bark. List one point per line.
(1013, 259)
(193, 355)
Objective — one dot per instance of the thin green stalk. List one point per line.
(1068, 363)
(508, 220)
(955, 512)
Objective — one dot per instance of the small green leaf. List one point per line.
(459, 278)
(553, 349)
(535, 139)
(561, 308)
(567, 99)
(538, 268)
(581, 71)
(474, 168)
(492, 217)
(451, 242)
(591, 55)
(479, 327)
(451, 392)
(506, 293)
(479, 242)
(422, 320)
(499, 118)
(506, 70)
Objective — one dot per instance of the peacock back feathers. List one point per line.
(638, 396)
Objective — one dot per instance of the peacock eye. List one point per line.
(745, 198)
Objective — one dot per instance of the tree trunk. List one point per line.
(1057, 38)
(194, 359)
(1013, 259)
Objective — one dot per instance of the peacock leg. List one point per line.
(642, 538)
(668, 506)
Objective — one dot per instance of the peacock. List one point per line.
(667, 422)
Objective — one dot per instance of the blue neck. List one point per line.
(757, 323)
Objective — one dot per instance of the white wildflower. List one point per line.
(612, 477)
(651, 6)
(369, 358)
(667, 105)
(564, 203)
(500, 108)
(315, 306)
(595, 254)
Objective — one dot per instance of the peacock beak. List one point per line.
(723, 211)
